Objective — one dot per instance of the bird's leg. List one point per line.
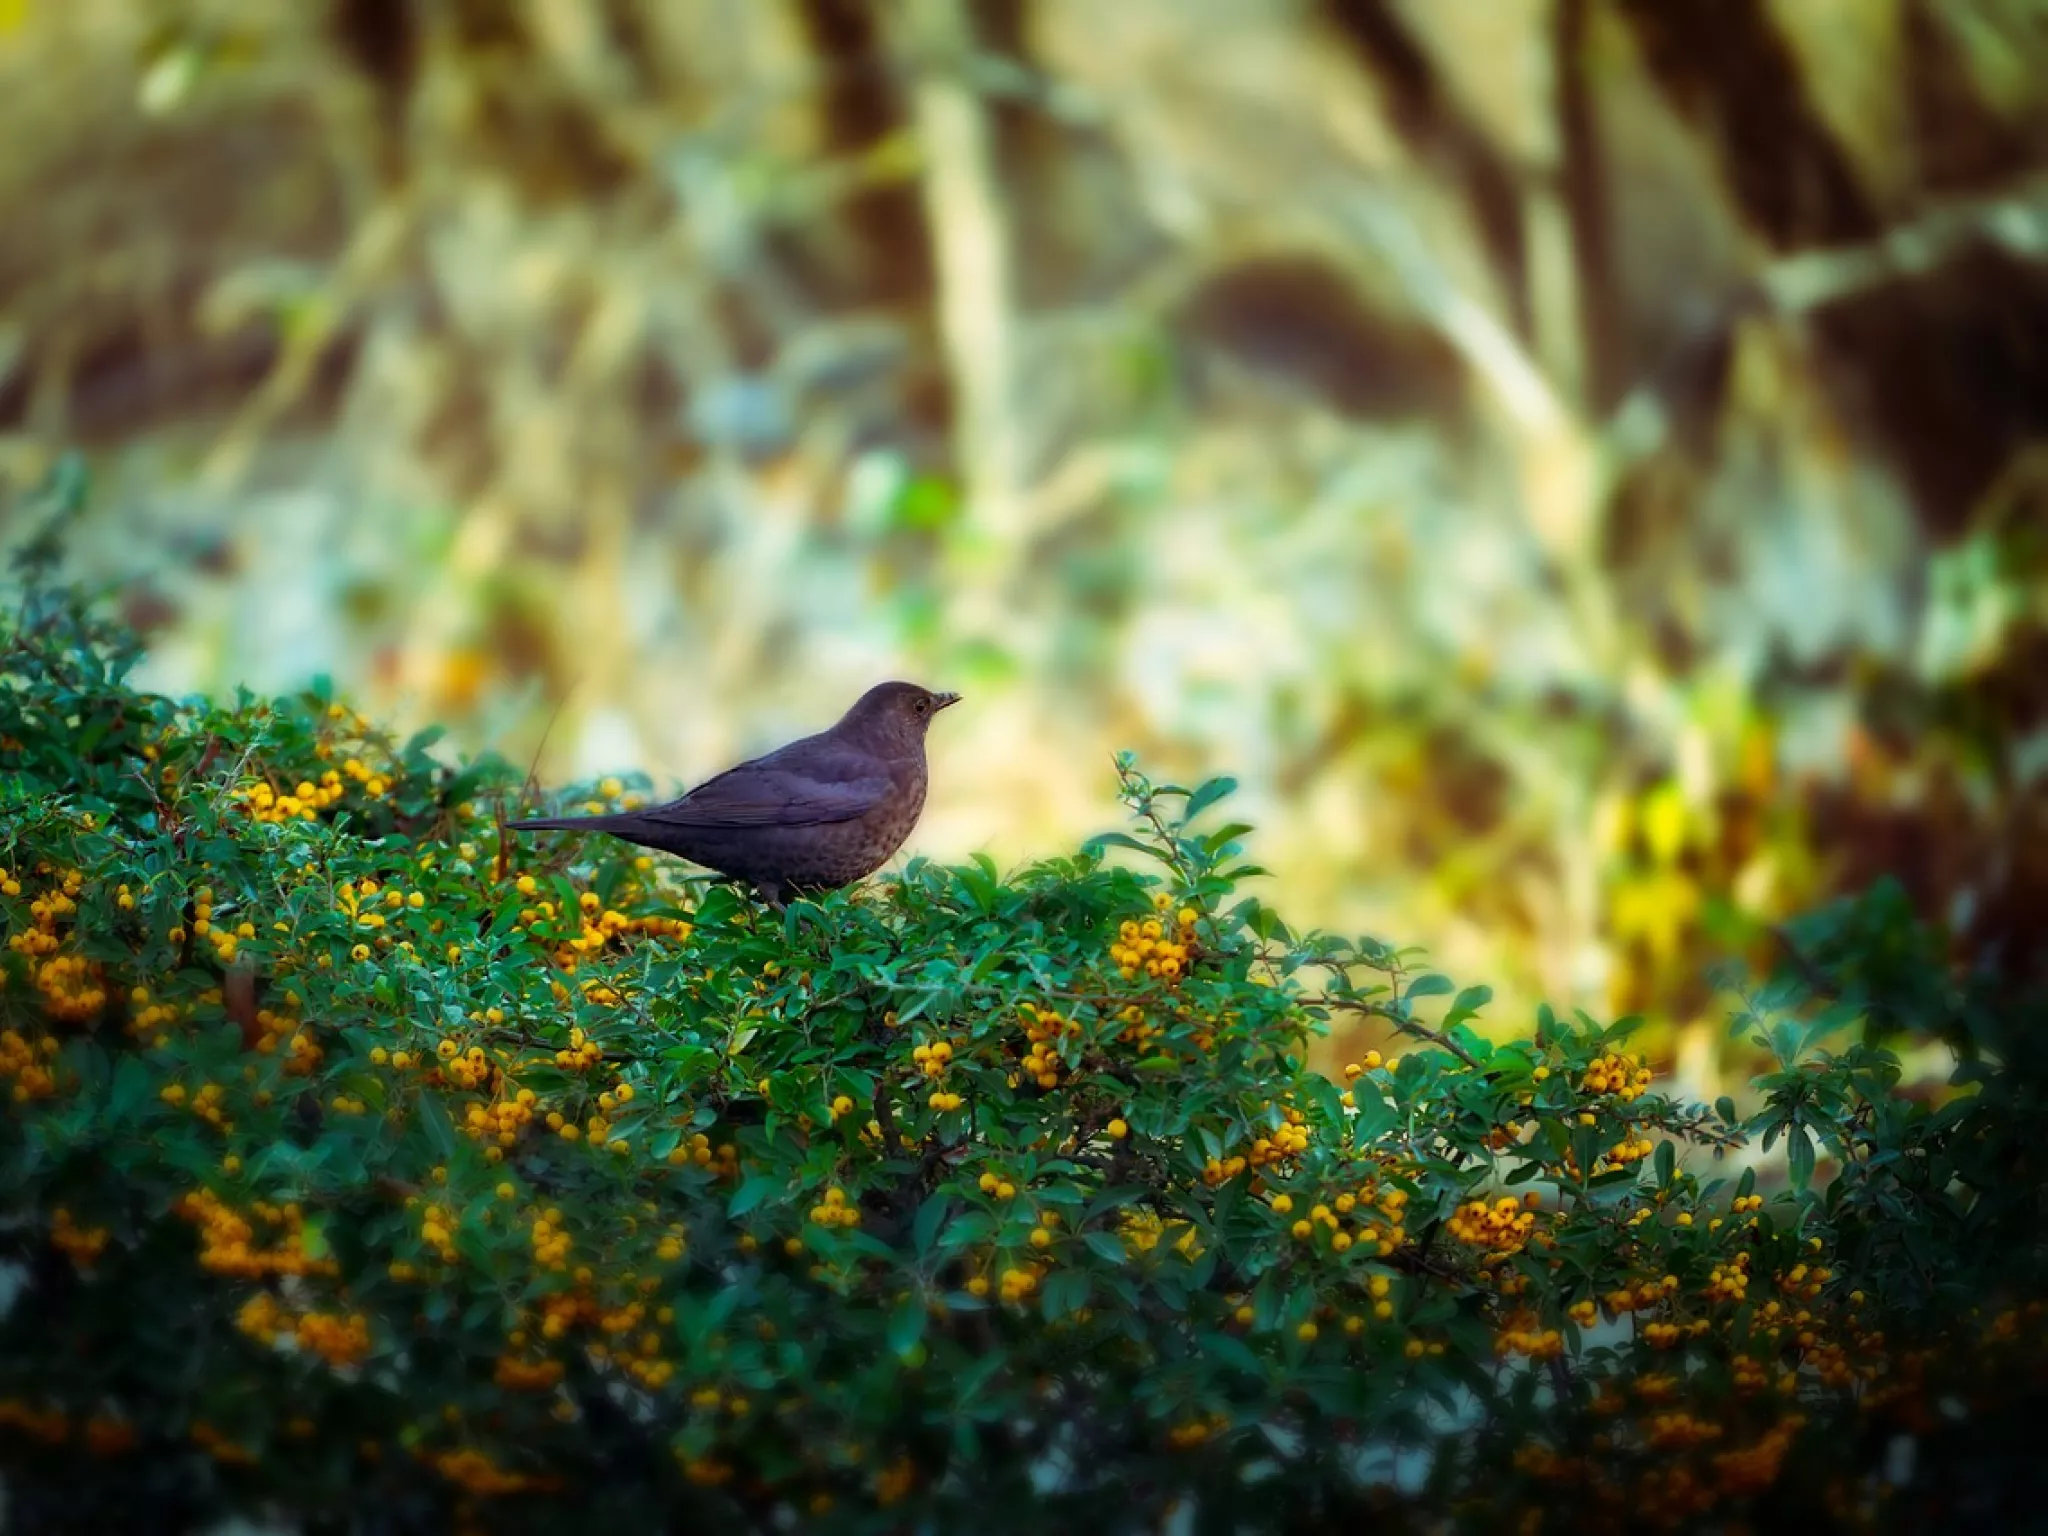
(771, 891)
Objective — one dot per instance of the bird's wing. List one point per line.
(819, 786)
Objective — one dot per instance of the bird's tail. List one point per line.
(564, 824)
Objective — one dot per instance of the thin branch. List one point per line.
(885, 1117)
(1139, 794)
(1401, 1021)
(988, 989)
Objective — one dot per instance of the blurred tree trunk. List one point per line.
(1940, 371)
(1583, 173)
(862, 106)
(1445, 140)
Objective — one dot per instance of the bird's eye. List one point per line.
(922, 706)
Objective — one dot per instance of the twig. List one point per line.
(987, 989)
(1401, 1021)
(885, 1117)
(1137, 792)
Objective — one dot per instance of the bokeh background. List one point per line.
(1582, 463)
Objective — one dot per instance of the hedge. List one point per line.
(368, 1169)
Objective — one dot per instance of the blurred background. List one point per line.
(1582, 463)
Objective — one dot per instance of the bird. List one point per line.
(806, 818)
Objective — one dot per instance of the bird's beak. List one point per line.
(941, 700)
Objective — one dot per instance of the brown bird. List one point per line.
(811, 816)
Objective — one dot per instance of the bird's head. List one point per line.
(895, 715)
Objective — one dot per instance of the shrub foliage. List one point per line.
(366, 1167)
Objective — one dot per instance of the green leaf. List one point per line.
(1268, 1302)
(1468, 1003)
(1831, 1020)
(1228, 833)
(1103, 840)
(717, 908)
(1614, 1185)
(1111, 1199)
(435, 1119)
(930, 1216)
(1234, 1354)
(906, 1325)
(1106, 1246)
(1585, 1147)
(1621, 1028)
(131, 1087)
(1066, 1291)
(1328, 1101)
(1471, 1042)
(1799, 1156)
(1207, 795)
(1375, 1116)
(753, 1192)
(967, 1229)
(1429, 984)
(1667, 1164)
(980, 882)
